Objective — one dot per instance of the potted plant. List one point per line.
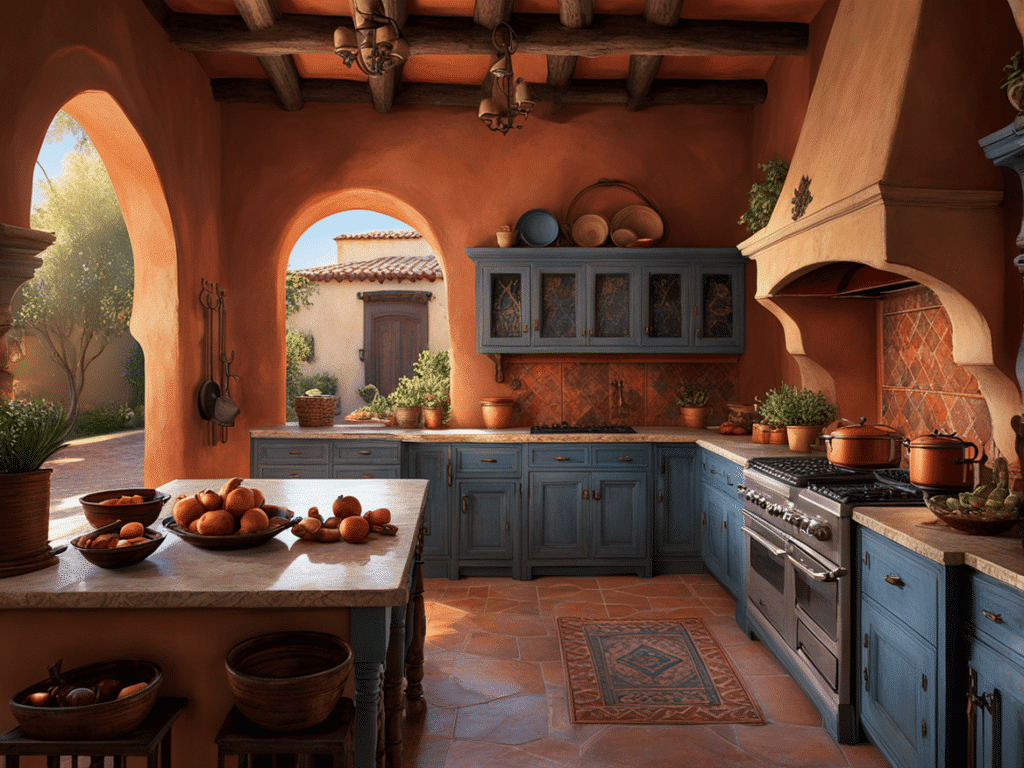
(1013, 81)
(433, 370)
(30, 432)
(803, 412)
(764, 196)
(769, 430)
(407, 402)
(694, 406)
(315, 409)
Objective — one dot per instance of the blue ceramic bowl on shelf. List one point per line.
(538, 228)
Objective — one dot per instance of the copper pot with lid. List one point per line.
(940, 460)
(864, 446)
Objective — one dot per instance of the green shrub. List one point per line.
(103, 419)
(764, 196)
(327, 384)
(135, 375)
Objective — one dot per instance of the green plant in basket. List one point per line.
(692, 398)
(794, 406)
(30, 432)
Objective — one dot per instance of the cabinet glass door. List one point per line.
(560, 319)
(614, 303)
(718, 307)
(505, 307)
(667, 319)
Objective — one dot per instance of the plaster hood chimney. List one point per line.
(889, 150)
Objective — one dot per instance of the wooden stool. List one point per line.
(153, 732)
(334, 736)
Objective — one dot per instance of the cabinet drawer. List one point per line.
(294, 452)
(359, 452)
(721, 473)
(286, 472)
(622, 456)
(559, 455)
(490, 460)
(997, 611)
(356, 472)
(903, 583)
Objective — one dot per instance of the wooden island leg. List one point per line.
(417, 627)
(394, 676)
(369, 631)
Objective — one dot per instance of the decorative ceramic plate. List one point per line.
(590, 230)
(538, 228)
(642, 220)
(228, 540)
(623, 237)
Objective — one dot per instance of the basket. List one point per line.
(316, 411)
(648, 210)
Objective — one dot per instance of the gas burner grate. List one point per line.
(801, 470)
(868, 494)
(590, 429)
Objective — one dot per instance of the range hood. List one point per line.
(846, 279)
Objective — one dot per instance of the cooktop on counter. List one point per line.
(592, 429)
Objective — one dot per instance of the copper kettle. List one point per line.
(940, 460)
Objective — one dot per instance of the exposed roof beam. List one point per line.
(561, 70)
(644, 69)
(263, 14)
(611, 92)
(540, 34)
(490, 13)
(383, 87)
(574, 14)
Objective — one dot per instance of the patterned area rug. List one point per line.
(650, 671)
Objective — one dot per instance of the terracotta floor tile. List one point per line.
(671, 603)
(508, 720)
(453, 592)
(425, 752)
(492, 646)
(643, 746)
(482, 754)
(569, 592)
(509, 624)
(752, 659)
(616, 597)
(518, 607)
(710, 590)
(434, 721)
(864, 756)
(583, 582)
(467, 604)
(791, 746)
(553, 672)
(589, 610)
(782, 701)
(722, 606)
(673, 589)
(480, 591)
(561, 727)
(561, 753)
(540, 649)
(498, 677)
(621, 611)
(515, 590)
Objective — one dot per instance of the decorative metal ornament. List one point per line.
(375, 45)
(802, 197)
(510, 97)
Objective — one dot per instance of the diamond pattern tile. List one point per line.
(586, 393)
(539, 394)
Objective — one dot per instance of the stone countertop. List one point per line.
(736, 448)
(917, 529)
(285, 572)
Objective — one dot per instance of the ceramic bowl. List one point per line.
(119, 557)
(146, 513)
(623, 237)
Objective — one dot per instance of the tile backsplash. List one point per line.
(582, 393)
(922, 387)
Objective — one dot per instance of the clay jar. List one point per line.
(695, 418)
(942, 461)
(497, 412)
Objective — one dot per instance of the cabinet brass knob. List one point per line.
(526, 327)
(465, 505)
(489, 461)
(625, 458)
(597, 496)
(561, 458)
(295, 453)
(996, 617)
(364, 453)
(896, 581)
(586, 494)
(536, 325)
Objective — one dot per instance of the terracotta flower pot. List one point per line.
(408, 418)
(695, 418)
(25, 522)
(497, 412)
(802, 436)
(433, 418)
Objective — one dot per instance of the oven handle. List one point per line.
(763, 541)
(828, 575)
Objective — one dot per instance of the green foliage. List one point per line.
(135, 375)
(409, 393)
(763, 196)
(793, 406)
(103, 419)
(1014, 71)
(299, 291)
(327, 384)
(296, 352)
(81, 298)
(434, 370)
(30, 432)
(368, 392)
(695, 398)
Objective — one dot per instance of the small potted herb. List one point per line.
(693, 404)
(803, 412)
(1013, 81)
(407, 402)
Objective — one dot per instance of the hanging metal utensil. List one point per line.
(225, 410)
(209, 390)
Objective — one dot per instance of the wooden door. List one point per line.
(395, 331)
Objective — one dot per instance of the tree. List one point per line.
(298, 293)
(81, 298)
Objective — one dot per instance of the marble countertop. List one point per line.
(285, 572)
(917, 529)
(737, 448)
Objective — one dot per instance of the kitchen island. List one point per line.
(185, 607)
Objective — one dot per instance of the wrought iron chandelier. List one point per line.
(510, 98)
(375, 44)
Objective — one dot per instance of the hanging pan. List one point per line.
(209, 390)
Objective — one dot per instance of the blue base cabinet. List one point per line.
(721, 522)
(676, 516)
(432, 462)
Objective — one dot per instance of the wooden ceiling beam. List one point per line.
(383, 87)
(538, 34)
(608, 92)
(280, 69)
(574, 14)
(644, 69)
(490, 13)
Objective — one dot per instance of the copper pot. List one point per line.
(942, 461)
(864, 446)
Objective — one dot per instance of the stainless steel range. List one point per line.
(796, 514)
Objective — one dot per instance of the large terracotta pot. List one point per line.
(802, 436)
(695, 418)
(762, 433)
(497, 412)
(408, 418)
(433, 418)
(864, 446)
(25, 522)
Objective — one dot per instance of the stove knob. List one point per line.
(762, 502)
(820, 531)
(805, 523)
(787, 517)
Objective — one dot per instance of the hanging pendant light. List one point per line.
(510, 98)
(375, 45)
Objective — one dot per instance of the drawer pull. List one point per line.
(996, 617)
(489, 461)
(586, 494)
(295, 453)
(364, 453)
(896, 581)
(625, 458)
(597, 496)
(465, 505)
(713, 471)
(366, 477)
(293, 475)
(562, 458)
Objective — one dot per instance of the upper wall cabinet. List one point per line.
(609, 300)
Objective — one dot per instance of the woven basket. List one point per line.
(316, 411)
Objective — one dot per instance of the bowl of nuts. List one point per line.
(119, 544)
(141, 505)
(97, 701)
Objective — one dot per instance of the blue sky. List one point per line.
(313, 249)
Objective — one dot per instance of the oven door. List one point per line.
(766, 574)
(819, 588)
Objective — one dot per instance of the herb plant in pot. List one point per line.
(30, 432)
(693, 404)
(769, 430)
(407, 403)
(803, 412)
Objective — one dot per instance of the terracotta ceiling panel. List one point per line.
(203, 6)
(715, 67)
(314, 65)
(227, 65)
(466, 70)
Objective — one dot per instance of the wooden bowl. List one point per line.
(146, 513)
(119, 557)
(107, 720)
(287, 681)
